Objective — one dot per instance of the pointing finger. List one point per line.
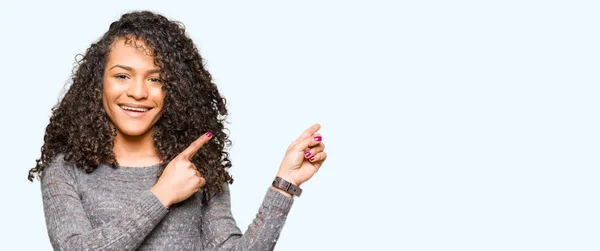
(307, 142)
(189, 152)
(308, 132)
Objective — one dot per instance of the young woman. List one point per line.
(134, 156)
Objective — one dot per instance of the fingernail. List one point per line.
(312, 159)
(318, 138)
(209, 134)
(306, 154)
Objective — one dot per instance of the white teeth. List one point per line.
(135, 109)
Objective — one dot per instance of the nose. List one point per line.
(137, 89)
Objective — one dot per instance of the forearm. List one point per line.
(221, 233)
(69, 228)
(264, 231)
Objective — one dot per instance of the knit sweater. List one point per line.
(113, 209)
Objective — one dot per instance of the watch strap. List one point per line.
(287, 186)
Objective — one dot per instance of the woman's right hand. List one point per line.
(181, 178)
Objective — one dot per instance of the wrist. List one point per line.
(281, 191)
(163, 197)
(286, 187)
(288, 179)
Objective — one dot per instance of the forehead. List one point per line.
(130, 52)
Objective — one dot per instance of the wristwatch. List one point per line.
(286, 186)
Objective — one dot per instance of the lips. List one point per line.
(135, 109)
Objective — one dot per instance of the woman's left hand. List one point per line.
(303, 157)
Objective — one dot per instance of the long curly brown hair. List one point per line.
(79, 127)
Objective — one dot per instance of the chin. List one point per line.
(134, 131)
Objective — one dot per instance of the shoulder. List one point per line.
(58, 168)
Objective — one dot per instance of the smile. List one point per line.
(135, 111)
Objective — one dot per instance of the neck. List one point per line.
(135, 151)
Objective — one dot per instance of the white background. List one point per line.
(450, 125)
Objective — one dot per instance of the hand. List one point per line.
(303, 157)
(181, 178)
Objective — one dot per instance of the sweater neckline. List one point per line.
(139, 167)
(138, 170)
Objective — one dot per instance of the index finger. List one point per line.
(189, 152)
(309, 132)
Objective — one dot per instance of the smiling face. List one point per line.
(133, 96)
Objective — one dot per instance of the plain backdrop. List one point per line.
(450, 125)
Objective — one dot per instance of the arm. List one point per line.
(302, 160)
(69, 227)
(220, 231)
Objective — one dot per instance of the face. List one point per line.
(133, 96)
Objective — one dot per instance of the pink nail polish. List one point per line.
(312, 159)
(306, 154)
(209, 134)
(318, 138)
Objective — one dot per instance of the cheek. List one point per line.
(110, 91)
(158, 95)
(105, 95)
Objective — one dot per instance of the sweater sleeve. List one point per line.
(70, 229)
(220, 232)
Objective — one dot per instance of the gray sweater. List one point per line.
(113, 209)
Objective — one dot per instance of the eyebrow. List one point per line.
(127, 68)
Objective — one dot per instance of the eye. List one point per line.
(121, 76)
(156, 80)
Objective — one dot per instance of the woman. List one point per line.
(134, 155)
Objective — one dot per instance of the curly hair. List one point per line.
(79, 128)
